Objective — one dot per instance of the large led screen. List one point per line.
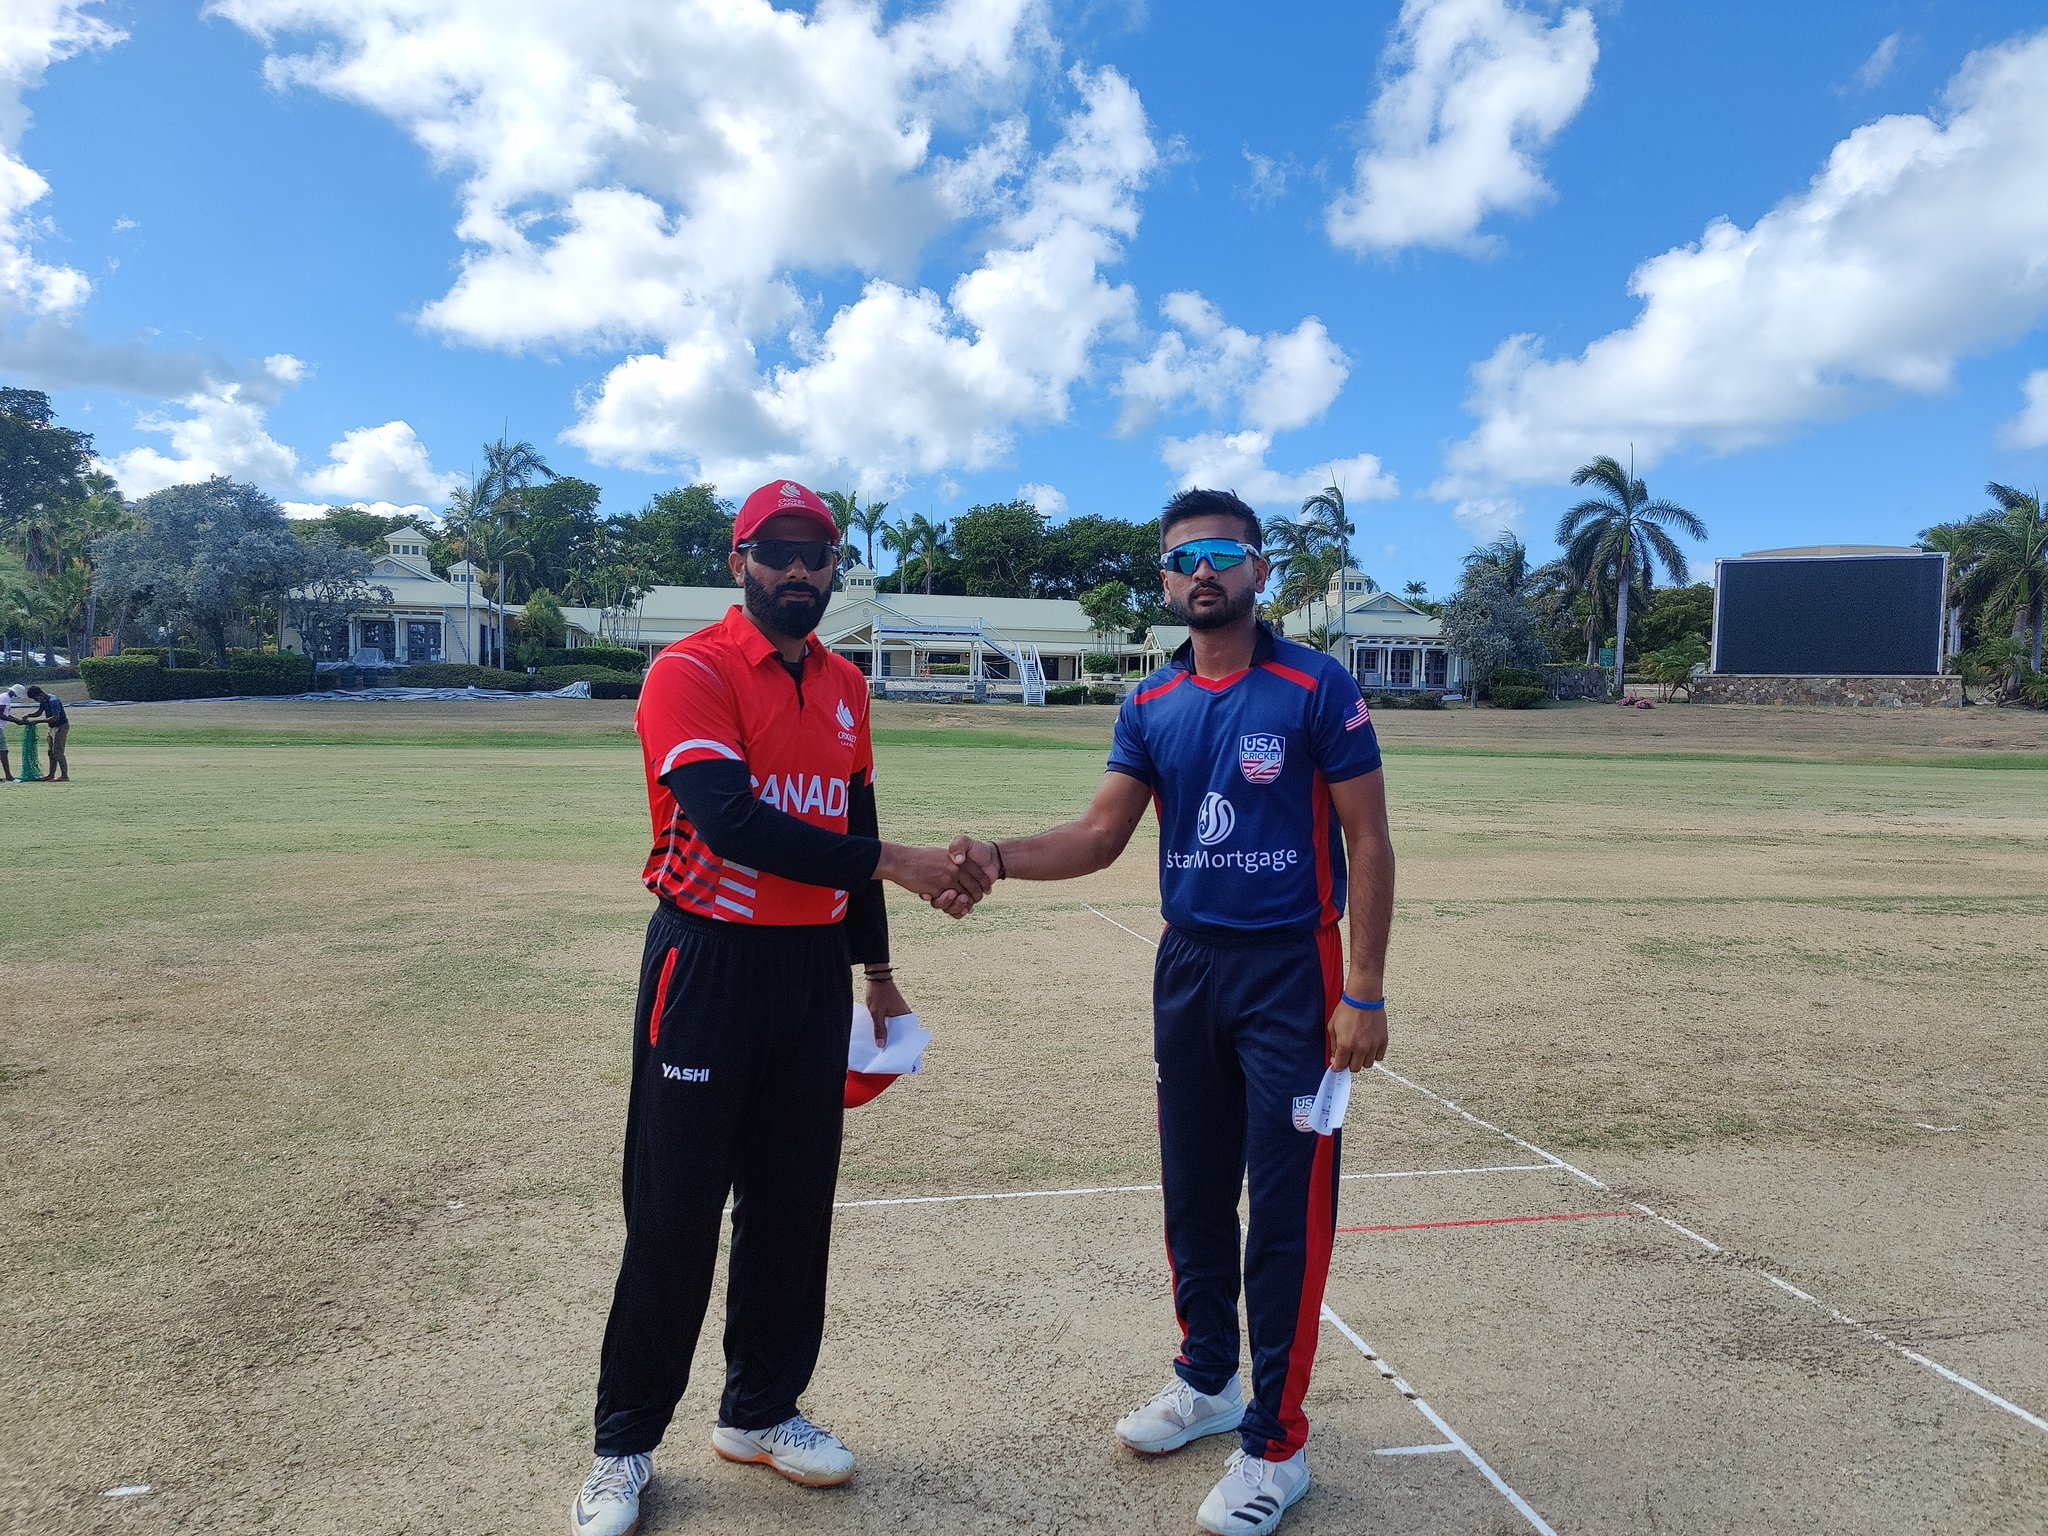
(1829, 616)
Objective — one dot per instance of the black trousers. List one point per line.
(739, 1081)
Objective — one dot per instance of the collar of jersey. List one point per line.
(1262, 652)
(756, 646)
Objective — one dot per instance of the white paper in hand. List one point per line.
(1332, 1099)
(903, 1055)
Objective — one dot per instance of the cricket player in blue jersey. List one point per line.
(1259, 758)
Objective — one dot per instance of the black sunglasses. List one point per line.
(1222, 555)
(781, 554)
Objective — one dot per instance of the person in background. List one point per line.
(50, 710)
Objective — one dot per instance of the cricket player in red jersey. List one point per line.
(767, 862)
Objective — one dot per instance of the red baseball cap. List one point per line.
(784, 498)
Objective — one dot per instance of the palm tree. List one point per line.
(1506, 554)
(845, 508)
(1964, 589)
(1325, 513)
(2012, 539)
(928, 545)
(1416, 592)
(1623, 529)
(897, 540)
(509, 468)
(870, 520)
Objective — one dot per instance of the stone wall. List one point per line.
(1576, 682)
(1855, 692)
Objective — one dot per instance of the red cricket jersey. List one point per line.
(725, 693)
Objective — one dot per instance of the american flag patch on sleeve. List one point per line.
(1358, 716)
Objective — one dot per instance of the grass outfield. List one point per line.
(311, 1083)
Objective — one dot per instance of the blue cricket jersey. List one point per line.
(1240, 769)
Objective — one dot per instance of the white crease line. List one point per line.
(1153, 1189)
(1924, 1126)
(1944, 1372)
(1115, 924)
(1527, 1146)
(1414, 1450)
(1873, 1335)
(1457, 1442)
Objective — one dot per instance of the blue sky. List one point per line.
(1798, 255)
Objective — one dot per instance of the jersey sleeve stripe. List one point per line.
(1299, 679)
(697, 744)
(1164, 688)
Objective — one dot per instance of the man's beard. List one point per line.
(1232, 610)
(790, 610)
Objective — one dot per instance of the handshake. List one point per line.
(953, 879)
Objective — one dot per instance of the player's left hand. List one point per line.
(884, 1002)
(1357, 1039)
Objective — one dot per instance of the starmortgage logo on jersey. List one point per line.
(1213, 824)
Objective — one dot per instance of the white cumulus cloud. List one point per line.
(1049, 499)
(224, 430)
(627, 167)
(1924, 239)
(2029, 429)
(901, 380)
(1486, 518)
(1472, 93)
(387, 463)
(34, 34)
(1236, 461)
(1275, 383)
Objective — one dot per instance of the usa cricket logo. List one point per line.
(1304, 1112)
(1260, 756)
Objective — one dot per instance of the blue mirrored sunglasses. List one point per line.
(1222, 555)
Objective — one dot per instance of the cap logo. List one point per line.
(791, 491)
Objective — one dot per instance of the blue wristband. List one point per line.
(1378, 1007)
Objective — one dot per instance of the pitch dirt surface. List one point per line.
(312, 1079)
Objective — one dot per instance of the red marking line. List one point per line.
(1491, 1221)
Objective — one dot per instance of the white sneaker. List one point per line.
(1253, 1495)
(797, 1448)
(1180, 1414)
(609, 1504)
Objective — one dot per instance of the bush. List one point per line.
(145, 680)
(1102, 695)
(619, 658)
(1430, 700)
(1517, 697)
(1515, 677)
(604, 682)
(1095, 663)
(455, 674)
(947, 669)
(12, 675)
(1067, 693)
(1386, 701)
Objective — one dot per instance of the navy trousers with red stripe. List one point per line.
(1240, 1037)
(739, 1083)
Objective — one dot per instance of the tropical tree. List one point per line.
(1964, 589)
(330, 587)
(1415, 591)
(1622, 528)
(509, 468)
(1490, 625)
(1331, 527)
(2012, 544)
(928, 546)
(1506, 554)
(204, 557)
(869, 521)
(898, 540)
(845, 508)
(1108, 608)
